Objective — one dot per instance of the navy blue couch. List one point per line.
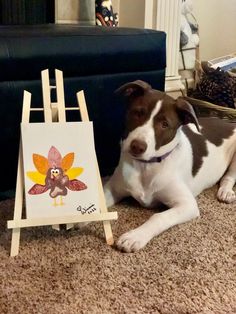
(95, 59)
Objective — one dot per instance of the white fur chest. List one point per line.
(141, 181)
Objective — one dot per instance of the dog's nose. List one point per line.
(138, 147)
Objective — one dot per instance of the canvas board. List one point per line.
(59, 169)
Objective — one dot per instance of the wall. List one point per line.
(67, 11)
(131, 13)
(217, 24)
(216, 19)
(116, 5)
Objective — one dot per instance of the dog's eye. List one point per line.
(139, 113)
(164, 124)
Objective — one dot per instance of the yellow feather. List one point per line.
(74, 172)
(36, 177)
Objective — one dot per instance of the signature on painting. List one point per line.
(86, 210)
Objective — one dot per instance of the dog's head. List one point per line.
(153, 120)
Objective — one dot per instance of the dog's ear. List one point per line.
(136, 88)
(186, 112)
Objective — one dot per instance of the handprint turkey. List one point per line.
(56, 174)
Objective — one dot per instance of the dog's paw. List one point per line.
(226, 195)
(132, 241)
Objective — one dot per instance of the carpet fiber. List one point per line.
(190, 268)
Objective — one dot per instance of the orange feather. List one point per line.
(67, 161)
(41, 163)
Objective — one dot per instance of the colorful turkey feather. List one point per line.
(54, 158)
(41, 163)
(74, 172)
(38, 189)
(36, 177)
(76, 185)
(67, 161)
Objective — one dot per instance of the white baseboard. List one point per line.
(67, 22)
(174, 86)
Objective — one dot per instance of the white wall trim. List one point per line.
(167, 19)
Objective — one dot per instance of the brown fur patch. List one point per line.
(215, 130)
(199, 148)
(140, 109)
(167, 115)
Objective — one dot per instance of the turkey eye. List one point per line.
(164, 124)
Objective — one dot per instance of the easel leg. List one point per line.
(108, 232)
(15, 242)
(48, 109)
(69, 226)
(61, 107)
(102, 201)
(18, 204)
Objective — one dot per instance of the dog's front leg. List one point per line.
(184, 209)
(114, 189)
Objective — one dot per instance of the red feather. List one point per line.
(38, 189)
(76, 185)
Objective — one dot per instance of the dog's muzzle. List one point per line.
(137, 148)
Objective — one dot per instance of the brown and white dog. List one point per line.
(169, 156)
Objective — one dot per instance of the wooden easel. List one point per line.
(54, 112)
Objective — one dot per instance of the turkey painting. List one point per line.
(56, 175)
(60, 173)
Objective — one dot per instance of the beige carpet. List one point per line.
(189, 269)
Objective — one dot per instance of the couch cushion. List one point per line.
(78, 51)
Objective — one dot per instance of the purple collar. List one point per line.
(156, 159)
